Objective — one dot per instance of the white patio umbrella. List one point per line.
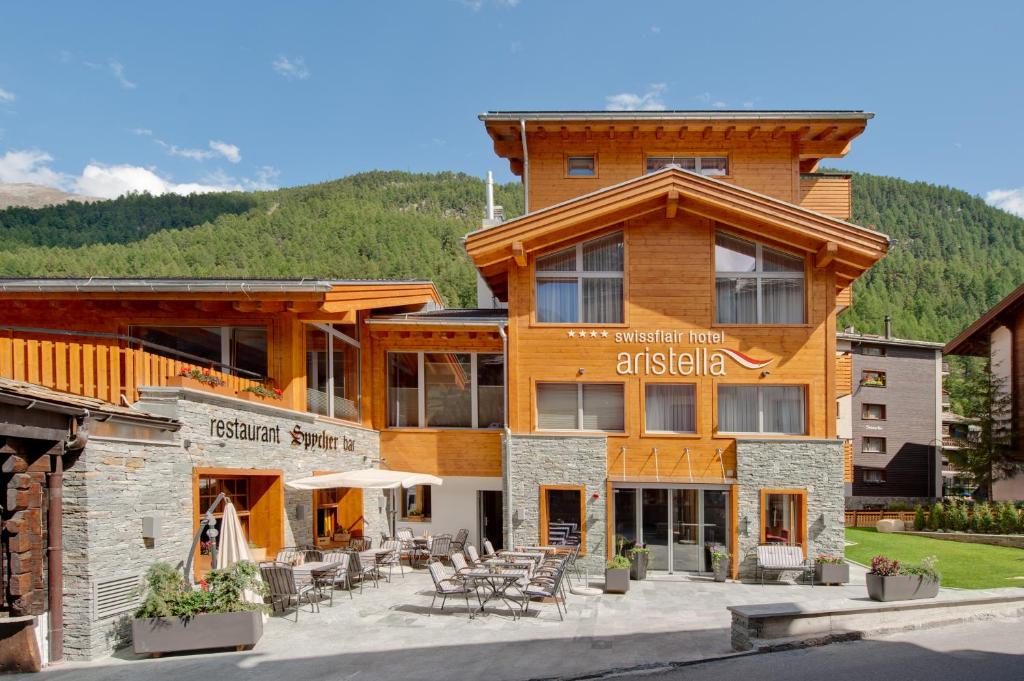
(367, 478)
(233, 546)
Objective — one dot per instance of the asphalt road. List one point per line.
(993, 651)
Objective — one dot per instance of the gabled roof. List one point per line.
(974, 339)
(848, 248)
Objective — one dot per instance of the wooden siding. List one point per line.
(847, 460)
(443, 452)
(844, 374)
(828, 194)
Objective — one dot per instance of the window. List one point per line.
(446, 390)
(755, 284)
(416, 503)
(712, 166)
(761, 409)
(874, 475)
(242, 350)
(582, 283)
(580, 406)
(784, 517)
(872, 350)
(581, 166)
(872, 379)
(332, 370)
(562, 516)
(872, 412)
(670, 408)
(873, 445)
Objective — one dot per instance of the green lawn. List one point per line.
(965, 566)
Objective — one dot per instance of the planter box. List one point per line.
(638, 566)
(193, 384)
(901, 588)
(832, 573)
(156, 635)
(722, 573)
(253, 397)
(616, 581)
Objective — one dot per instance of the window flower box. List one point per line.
(199, 379)
(259, 393)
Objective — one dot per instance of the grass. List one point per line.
(964, 566)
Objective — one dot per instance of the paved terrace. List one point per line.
(385, 633)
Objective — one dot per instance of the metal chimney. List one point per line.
(888, 326)
(490, 195)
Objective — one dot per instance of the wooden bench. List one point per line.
(783, 558)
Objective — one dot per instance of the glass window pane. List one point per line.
(316, 371)
(564, 516)
(782, 519)
(714, 165)
(448, 385)
(561, 261)
(783, 409)
(249, 349)
(777, 261)
(655, 163)
(490, 383)
(201, 341)
(557, 300)
(604, 254)
(782, 301)
(603, 407)
(581, 166)
(736, 301)
(671, 408)
(403, 390)
(557, 407)
(733, 254)
(602, 301)
(737, 409)
(346, 380)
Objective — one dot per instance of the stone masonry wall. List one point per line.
(116, 482)
(812, 465)
(535, 460)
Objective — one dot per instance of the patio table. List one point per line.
(498, 582)
(514, 563)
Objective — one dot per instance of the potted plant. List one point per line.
(829, 569)
(173, 617)
(890, 580)
(720, 562)
(260, 393)
(639, 556)
(616, 575)
(198, 379)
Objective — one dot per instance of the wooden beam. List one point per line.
(753, 131)
(825, 134)
(659, 132)
(636, 132)
(729, 131)
(809, 165)
(672, 203)
(542, 133)
(826, 254)
(301, 306)
(519, 253)
(777, 132)
(682, 132)
(586, 133)
(246, 305)
(802, 133)
(707, 133)
(206, 305)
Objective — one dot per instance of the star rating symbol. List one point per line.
(572, 334)
(593, 334)
(604, 334)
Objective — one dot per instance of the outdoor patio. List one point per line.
(386, 633)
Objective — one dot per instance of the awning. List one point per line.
(368, 478)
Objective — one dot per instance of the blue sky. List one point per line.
(99, 97)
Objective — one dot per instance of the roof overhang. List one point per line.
(847, 248)
(974, 340)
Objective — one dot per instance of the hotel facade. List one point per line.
(654, 361)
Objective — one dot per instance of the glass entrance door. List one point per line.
(654, 527)
(686, 535)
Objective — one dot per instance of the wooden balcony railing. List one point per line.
(108, 367)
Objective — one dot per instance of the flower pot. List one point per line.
(638, 565)
(616, 581)
(721, 570)
(193, 384)
(901, 587)
(157, 635)
(832, 573)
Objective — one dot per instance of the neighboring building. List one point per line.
(999, 335)
(956, 430)
(892, 419)
(664, 371)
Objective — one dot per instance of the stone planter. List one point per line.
(901, 588)
(638, 566)
(156, 635)
(721, 571)
(193, 384)
(832, 573)
(616, 581)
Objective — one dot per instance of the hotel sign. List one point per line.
(707, 358)
(247, 431)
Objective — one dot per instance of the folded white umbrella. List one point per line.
(232, 546)
(367, 478)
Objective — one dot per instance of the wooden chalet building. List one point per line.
(654, 360)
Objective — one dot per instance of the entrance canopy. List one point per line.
(368, 478)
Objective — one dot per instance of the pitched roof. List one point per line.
(77, 404)
(852, 248)
(974, 339)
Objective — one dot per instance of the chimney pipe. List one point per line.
(888, 326)
(490, 195)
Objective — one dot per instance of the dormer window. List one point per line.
(712, 166)
(581, 166)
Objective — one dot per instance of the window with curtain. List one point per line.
(873, 445)
(711, 166)
(782, 518)
(670, 408)
(332, 370)
(580, 406)
(582, 284)
(446, 390)
(761, 409)
(755, 284)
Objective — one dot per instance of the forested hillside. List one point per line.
(952, 256)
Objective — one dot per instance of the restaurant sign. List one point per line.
(234, 429)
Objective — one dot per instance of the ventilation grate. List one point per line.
(115, 596)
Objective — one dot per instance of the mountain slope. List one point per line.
(952, 256)
(34, 195)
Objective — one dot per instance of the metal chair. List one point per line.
(441, 547)
(489, 551)
(341, 574)
(359, 571)
(392, 557)
(546, 587)
(472, 556)
(459, 543)
(280, 579)
(459, 562)
(360, 543)
(445, 586)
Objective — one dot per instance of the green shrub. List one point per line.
(982, 520)
(167, 594)
(937, 518)
(617, 563)
(898, 506)
(919, 522)
(956, 518)
(1007, 520)
(926, 568)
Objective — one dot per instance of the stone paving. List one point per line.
(386, 633)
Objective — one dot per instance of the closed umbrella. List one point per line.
(233, 546)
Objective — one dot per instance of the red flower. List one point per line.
(278, 391)
(206, 372)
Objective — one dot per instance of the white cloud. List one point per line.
(292, 68)
(631, 101)
(142, 132)
(216, 148)
(1010, 200)
(228, 151)
(30, 166)
(6, 96)
(477, 5)
(117, 68)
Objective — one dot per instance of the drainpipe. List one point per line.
(506, 444)
(526, 167)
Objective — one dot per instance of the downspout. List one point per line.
(526, 167)
(506, 442)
